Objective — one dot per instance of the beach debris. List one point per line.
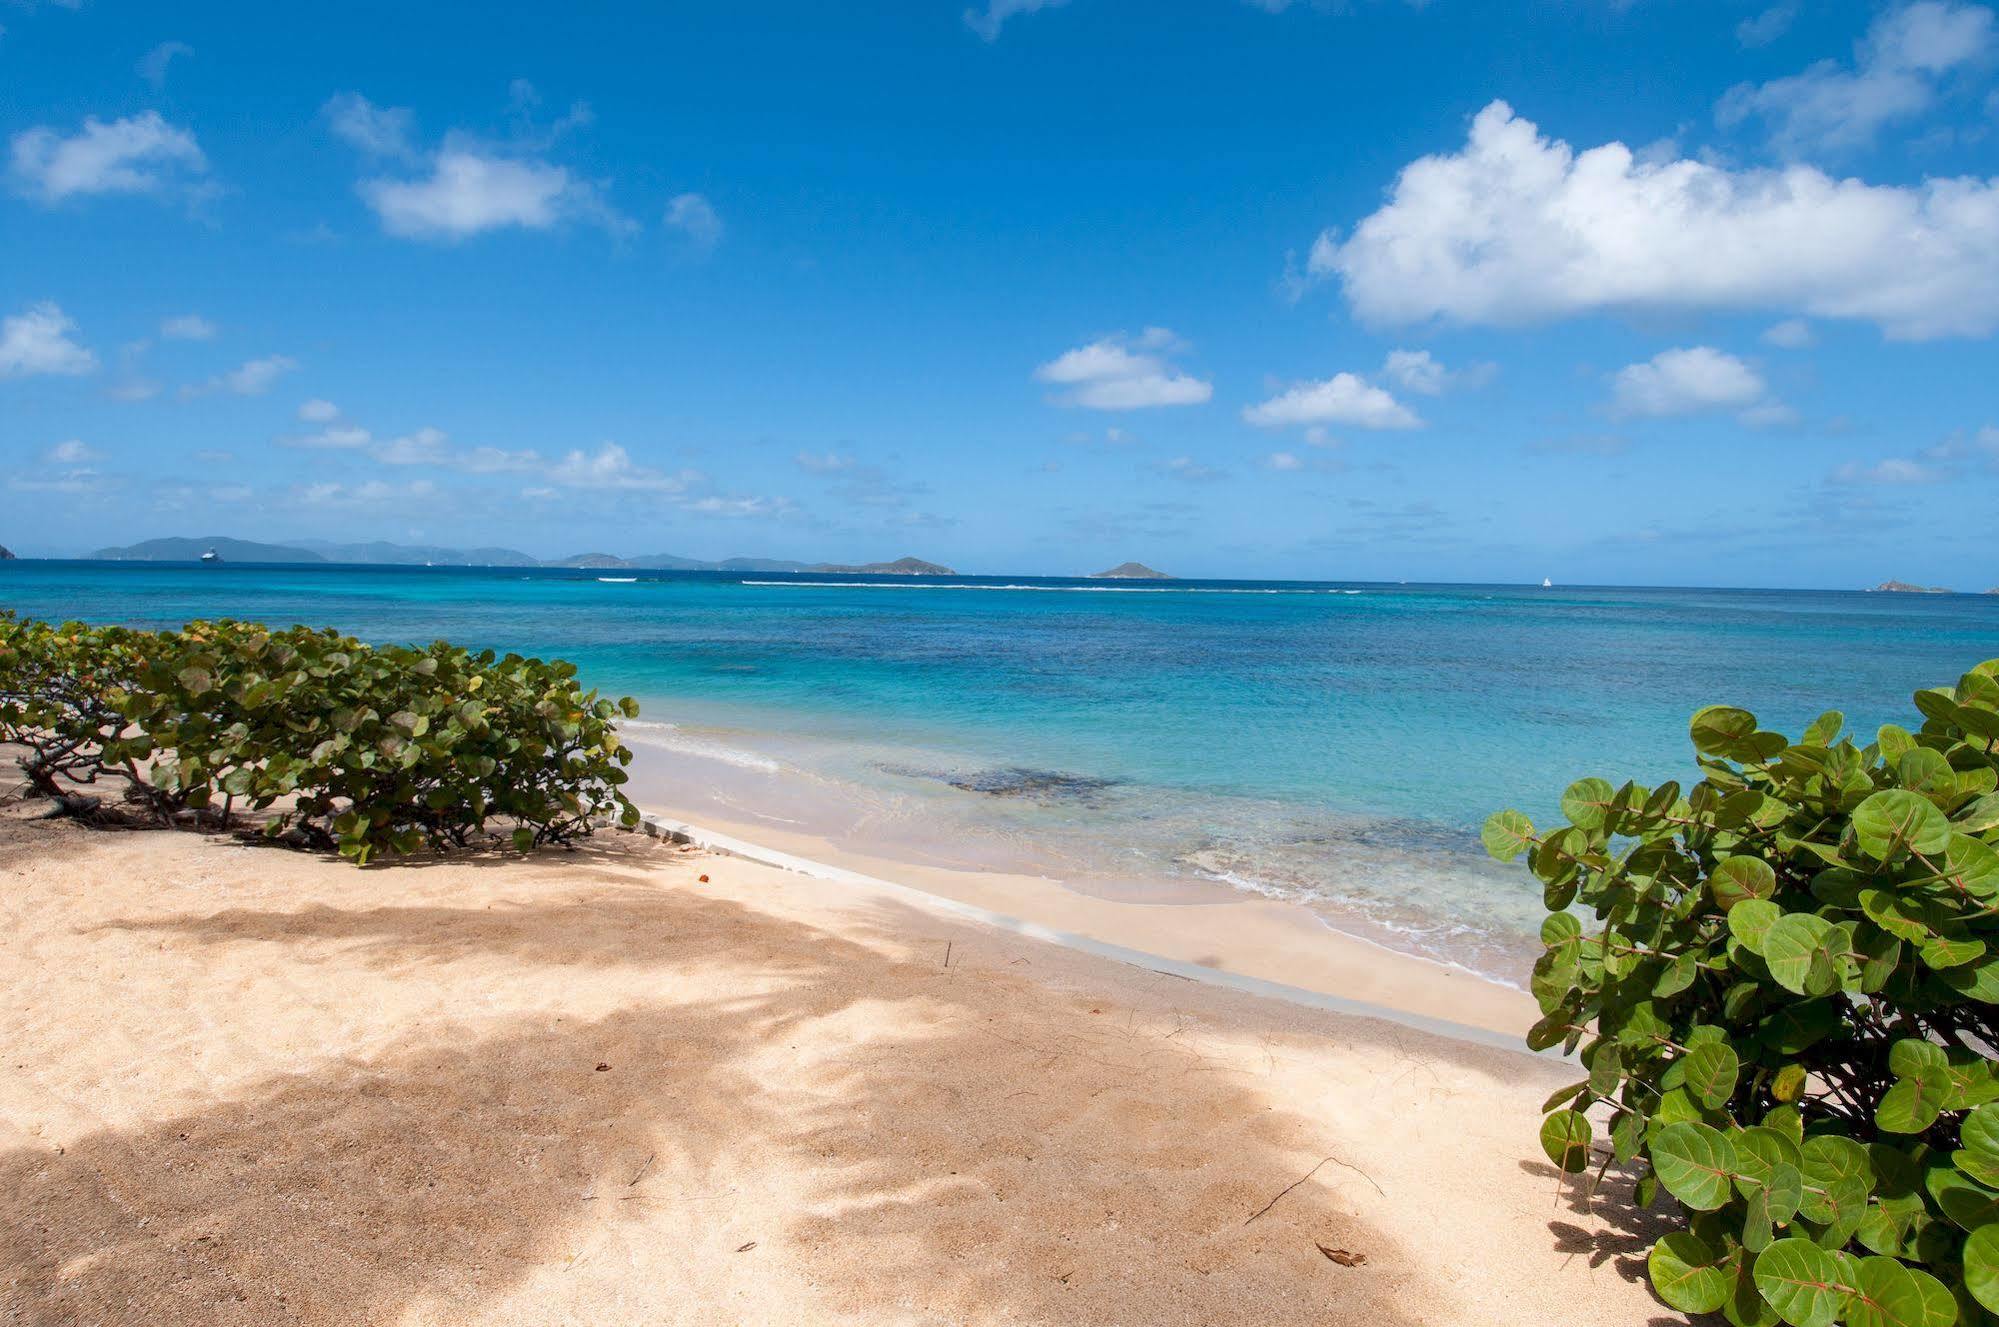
(603, 1068)
(746, 1247)
(641, 1174)
(1308, 1175)
(947, 952)
(704, 879)
(1343, 1257)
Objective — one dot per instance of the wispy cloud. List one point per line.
(153, 64)
(251, 378)
(695, 217)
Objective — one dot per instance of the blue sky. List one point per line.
(1666, 291)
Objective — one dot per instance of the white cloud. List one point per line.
(153, 64)
(1344, 398)
(1791, 334)
(469, 191)
(426, 446)
(1282, 461)
(1125, 373)
(1517, 228)
(987, 22)
(336, 438)
(38, 341)
(1896, 68)
(73, 452)
(251, 378)
(1420, 371)
(1687, 381)
(370, 493)
(467, 187)
(188, 327)
(1893, 470)
(317, 411)
(138, 154)
(378, 131)
(611, 466)
(1764, 28)
(695, 217)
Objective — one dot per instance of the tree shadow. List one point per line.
(922, 1143)
(1614, 1230)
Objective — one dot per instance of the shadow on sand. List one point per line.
(915, 1156)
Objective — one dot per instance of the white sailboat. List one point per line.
(1547, 584)
(211, 556)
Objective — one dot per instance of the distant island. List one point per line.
(1903, 587)
(381, 554)
(4, 554)
(1131, 571)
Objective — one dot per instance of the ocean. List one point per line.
(1336, 745)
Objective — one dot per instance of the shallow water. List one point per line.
(1335, 744)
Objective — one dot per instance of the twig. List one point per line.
(642, 1170)
(1308, 1175)
(947, 952)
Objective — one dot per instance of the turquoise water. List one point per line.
(1337, 744)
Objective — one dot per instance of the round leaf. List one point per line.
(1565, 1137)
(1687, 1273)
(1696, 1164)
(1894, 820)
(1801, 1282)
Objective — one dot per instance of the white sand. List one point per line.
(243, 1085)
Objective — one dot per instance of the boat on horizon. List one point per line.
(211, 556)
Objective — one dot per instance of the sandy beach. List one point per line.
(642, 1083)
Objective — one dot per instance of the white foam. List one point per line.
(671, 737)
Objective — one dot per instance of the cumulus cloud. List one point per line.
(73, 452)
(1519, 228)
(1125, 373)
(466, 187)
(188, 327)
(987, 22)
(37, 341)
(317, 411)
(1687, 381)
(695, 217)
(153, 64)
(1896, 67)
(1344, 398)
(138, 154)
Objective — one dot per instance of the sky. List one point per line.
(1689, 292)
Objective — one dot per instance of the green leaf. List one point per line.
(1587, 802)
(1978, 1156)
(1913, 1103)
(1894, 820)
(1800, 950)
(1801, 1282)
(1750, 921)
(1739, 879)
(1711, 1071)
(1565, 1137)
(1981, 1266)
(1967, 1204)
(1719, 730)
(1687, 1273)
(1507, 834)
(1696, 1163)
(1885, 1295)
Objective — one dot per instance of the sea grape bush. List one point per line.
(356, 748)
(1789, 1010)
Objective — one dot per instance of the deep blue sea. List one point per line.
(1336, 744)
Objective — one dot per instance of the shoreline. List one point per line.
(1262, 946)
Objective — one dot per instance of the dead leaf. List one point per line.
(1342, 1256)
(603, 1068)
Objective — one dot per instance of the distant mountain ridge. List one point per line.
(5, 556)
(382, 553)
